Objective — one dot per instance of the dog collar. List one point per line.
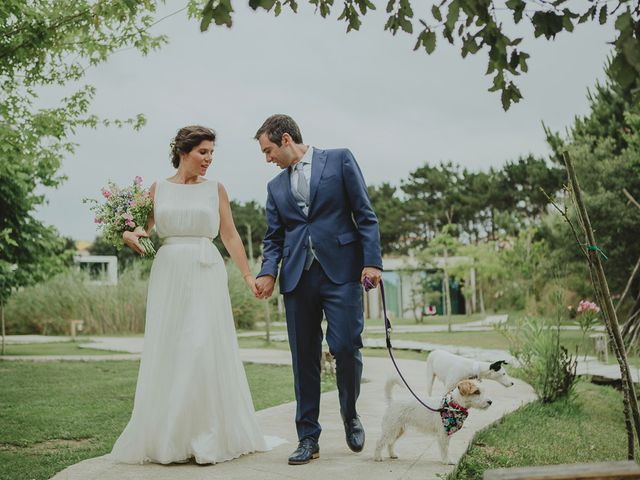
(452, 415)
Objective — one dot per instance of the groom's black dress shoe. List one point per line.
(308, 449)
(355, 434)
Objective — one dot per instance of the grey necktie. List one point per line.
(302, 186)
(302, 191)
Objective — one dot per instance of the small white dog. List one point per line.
(401, 415)
(450, 369)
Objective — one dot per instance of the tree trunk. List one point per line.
(629, 428)
(630, 328)
(447, 291)
(474, 290)
(481, 292)
(604, 297)
(493, 224)
(249, 244)
(267, 320)
(3, 332)
(629, 282)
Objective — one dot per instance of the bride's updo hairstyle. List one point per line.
(187, 139)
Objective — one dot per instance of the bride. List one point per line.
(192, 398)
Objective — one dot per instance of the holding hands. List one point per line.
(264, 286)
(261, 287)
(250, 280)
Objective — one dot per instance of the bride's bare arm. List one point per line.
(231, 239)
(131, 238)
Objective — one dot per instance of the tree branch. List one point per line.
(630, 197)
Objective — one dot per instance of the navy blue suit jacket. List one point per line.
(342, 225)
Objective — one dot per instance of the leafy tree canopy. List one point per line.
(50, 43)
(475, 26)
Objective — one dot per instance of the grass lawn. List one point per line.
(57, 348)
(434, 320)
(589, 428)
(70, 348)
(483, 339)
(406, 354)
(53, 415)
(260, 342)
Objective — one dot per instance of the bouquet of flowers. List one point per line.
(124, 209)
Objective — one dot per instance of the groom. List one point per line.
(321, 225)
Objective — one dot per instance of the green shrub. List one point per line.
(545, 363)
(47, 307)
(246, 308)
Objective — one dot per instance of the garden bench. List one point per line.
(578, 471)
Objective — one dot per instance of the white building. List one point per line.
(404, 293)
(99, 269)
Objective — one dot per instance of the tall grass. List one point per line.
(246, 308)
(48, 307)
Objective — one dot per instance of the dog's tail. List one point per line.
(388, 387)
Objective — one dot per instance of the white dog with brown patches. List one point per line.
(401, 415)
(450, 369)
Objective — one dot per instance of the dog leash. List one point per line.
(368, 285)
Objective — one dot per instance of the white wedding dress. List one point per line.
(192, 397)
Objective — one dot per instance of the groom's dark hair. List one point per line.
(277, 125)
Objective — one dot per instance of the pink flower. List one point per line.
(581, 306)
(106, 193)
(130, 224)
(587, 306)
(138, 180)
(97, 220)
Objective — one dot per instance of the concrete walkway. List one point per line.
(24, 339)
(70, 358)
(486, 323)
(130, 348)
(419, 455)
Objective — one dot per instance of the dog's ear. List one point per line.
(496, 366)
(467, 388)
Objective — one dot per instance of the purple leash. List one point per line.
(368, 285)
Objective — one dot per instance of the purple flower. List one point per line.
(138, 180)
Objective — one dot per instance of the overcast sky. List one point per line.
(394, 108)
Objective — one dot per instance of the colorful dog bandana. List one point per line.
(452, 414)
